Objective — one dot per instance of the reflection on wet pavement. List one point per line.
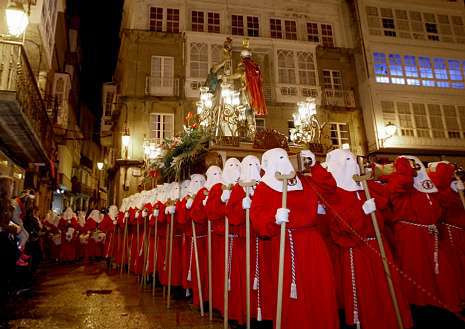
(78, 296)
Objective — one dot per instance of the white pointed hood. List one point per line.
(112, 211)
(231, 171)
(82, 218)
(175, 191)
(197, 182)
(185, 188)
(421, 182)
(213, 177)
(277, 160)
(95, 215)
(68, 214)
(342, 164)
(250, 169)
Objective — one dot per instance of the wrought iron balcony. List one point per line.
(26, 132)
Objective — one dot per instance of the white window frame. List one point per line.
(164, 24)
(158, 135)
(245, 24)
(340, 140)
(319, 35)
(280, 20)
(413, 25)
(162, 85)
(206, 25)
(293, 92)
(437, 125)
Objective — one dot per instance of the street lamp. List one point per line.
(389, 130)
(307, 126)
(16, 18)
(100, 165)
(126, 139)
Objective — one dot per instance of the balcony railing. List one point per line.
(338, 98)
(16, 75)
(155, 86)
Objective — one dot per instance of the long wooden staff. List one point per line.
(167, 240)
(226, 262)
(155, 255)
(147, 255)
(110, 248)
(125, 236)
(210, 291)
(129, 249)
(247, 186)
(282, 244)
(137, 244)
(170, 260)
(197, 268)
(143, 251)
(363, 180)
(462, 198)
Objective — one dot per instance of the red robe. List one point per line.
(161, 249)
(315, 306)
(416, 216)
(215, 210)
(199, 215)
(183, 222)
(361, 264)
(68, 248)
(52, 247)
(118, 249)
(93, 248)
(452, 227)
(237, 294)
(107, 227)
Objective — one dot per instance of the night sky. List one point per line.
(100, 24)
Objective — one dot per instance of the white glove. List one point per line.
(225, 195)
(189, 203)
(246, 203)
(156, 212)
(321, 209)
(166, 210)
(369, 206)
(144, 213)
(137, 214)
(460, 185)
(204, 202)
(171, 210)
(282, 216)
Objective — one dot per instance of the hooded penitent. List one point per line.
(196, 183)
(185, 188)
(250, 169)
(421, 182)
(213, 177)
(277, 161)
(231, 171)
(342, 164)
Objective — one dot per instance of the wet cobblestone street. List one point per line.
(86, 296)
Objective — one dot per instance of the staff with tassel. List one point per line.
(197, 268)
(363, 180)
(156, 212)
(125, 236)
(171, 211)
(210, 291)
(247, 186)
(282, 245)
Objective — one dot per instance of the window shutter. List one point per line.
(168, 67)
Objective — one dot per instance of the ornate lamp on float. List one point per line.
(307, 128)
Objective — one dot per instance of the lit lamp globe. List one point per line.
(99, 165)
(16, 19)
(126, 138)
(390, 129)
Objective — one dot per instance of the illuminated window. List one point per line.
(161, 126)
